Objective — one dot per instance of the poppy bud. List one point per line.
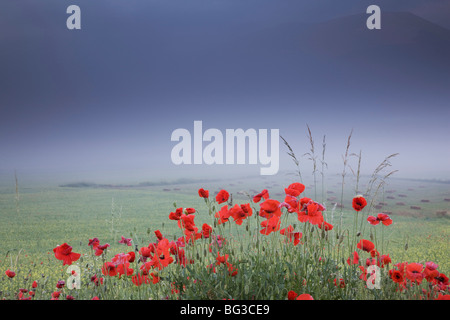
(358, 234)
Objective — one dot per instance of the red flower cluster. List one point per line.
(407, 274)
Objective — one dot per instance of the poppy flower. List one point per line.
(295, 189)
(359, 203)
(311, 214)
(187, 222)
(222, 196)
(263, 194)
(126, 241)
(221, 259)
(206, 230)
(269, 208)
(291, 202)
(414, 272)
(60, 284)
(94, 243)
(34, 285)
(100, 248)
(247, 209)
(381, 217)
(270, 225)
(365, 245)
(238, 214)
(121, 258)
(232, 270)
(161, 258)
(223, 214)
(341, 283)
(176, 215)
(64, 253)
(326, 226)
(109, 269)
(397, 276)
(203, 193)
(124, 268)
(189, 210)
(291, 235)
(10, 274)
(354, 260)
(305, 296)
(139, 279)
(385, 260)
(292, 295)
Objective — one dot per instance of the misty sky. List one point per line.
(103, 101)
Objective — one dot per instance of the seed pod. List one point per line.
(323, 233)
(406, 246)
(371, 235)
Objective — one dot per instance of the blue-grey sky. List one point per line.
(103, 101)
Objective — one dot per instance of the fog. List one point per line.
(100, 104)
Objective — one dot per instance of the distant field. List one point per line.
(46, 216)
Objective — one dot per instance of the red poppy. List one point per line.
(94, 243)
(161, 258)
(206, 230)
(124, 268)
(10, 274)
(64, 253)
(223, 214)
(221, 259)
(189, 210)
(34, 285)
(326, 226)
(292, 203)
(247, 209)
(385, 260)
(397, 276)
(341, 283)
(295, 189)
(100, 248)
(291, 235)
(381, 217)
(176, 215)
(414, 272)
(305, 296)
(238, 214)
(312, 213)
(187, 222)
(263, 194)
(269, 208)
(139, 279)
(203, 193)
(109, 269)
(126, 241)
(354, 260)
(232, 270)
(359, 203)
(292, 295)
(222, 196)
(365, 245)
(270, 225)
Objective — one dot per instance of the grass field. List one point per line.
(35, 219)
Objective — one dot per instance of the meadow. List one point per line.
(177, 258)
